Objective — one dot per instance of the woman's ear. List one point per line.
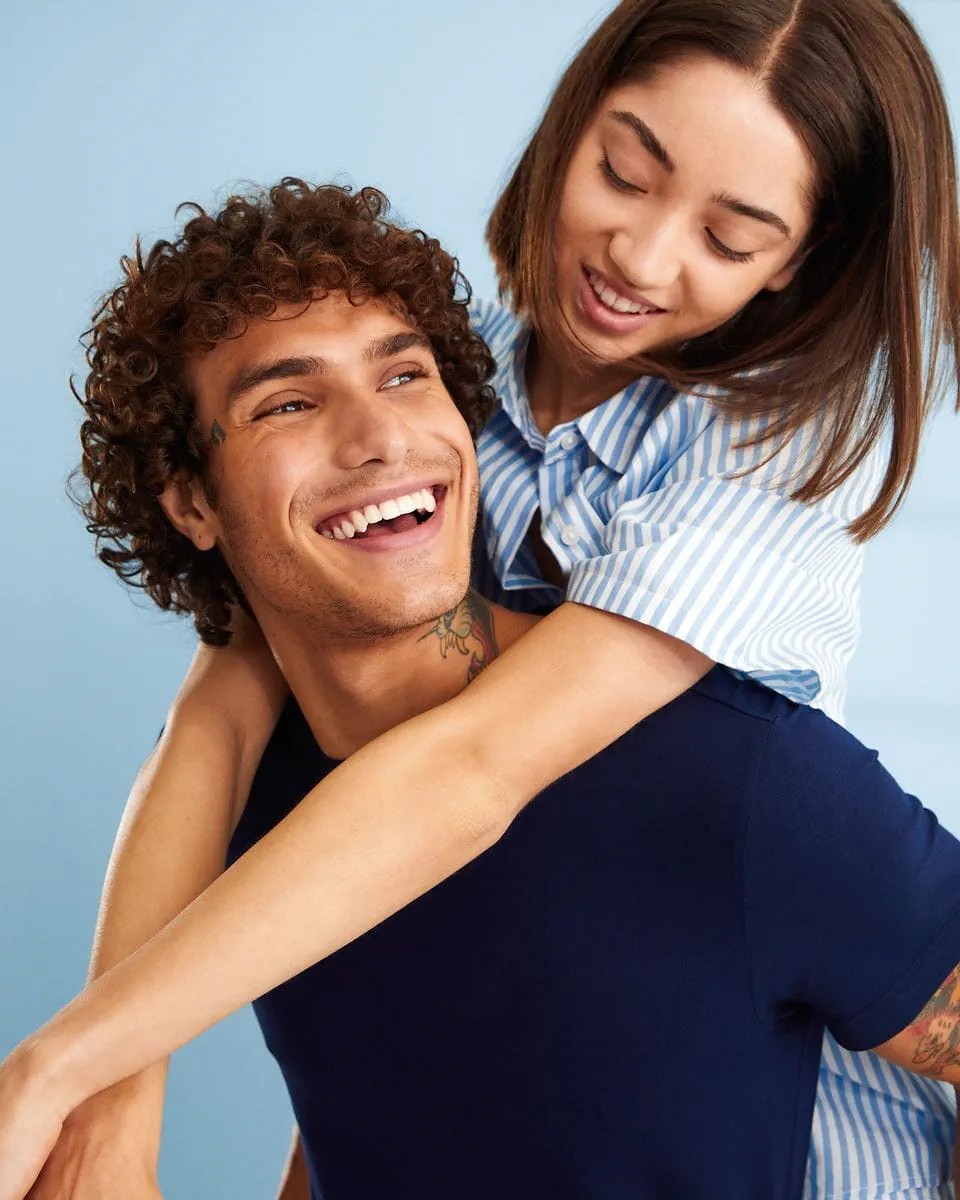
(785, 276)
(188, 510)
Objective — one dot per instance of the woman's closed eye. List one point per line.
(737, 256)
(617, 181)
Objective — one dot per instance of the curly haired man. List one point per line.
(626, 994)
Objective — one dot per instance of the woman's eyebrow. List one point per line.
(743, 209)
(652, 143)
(646, 135)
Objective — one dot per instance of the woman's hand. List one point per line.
(105, 1152)
(33, 1108)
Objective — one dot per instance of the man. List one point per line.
(626, 994)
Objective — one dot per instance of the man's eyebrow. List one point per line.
(742, 209)
(396, 343)
(646, 135)
(247, 378)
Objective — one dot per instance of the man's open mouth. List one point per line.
(396, 515)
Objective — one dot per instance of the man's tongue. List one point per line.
(398, 525)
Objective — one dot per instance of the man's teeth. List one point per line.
(613, 300)
(360, 520)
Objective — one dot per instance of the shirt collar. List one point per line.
(612, 430)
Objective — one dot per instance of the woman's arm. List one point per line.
(402, 814)
(171, 844)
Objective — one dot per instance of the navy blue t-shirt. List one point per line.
(625, 996)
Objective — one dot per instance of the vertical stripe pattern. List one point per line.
(644, 504)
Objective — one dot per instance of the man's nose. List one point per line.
(369, 428)
(649, 259)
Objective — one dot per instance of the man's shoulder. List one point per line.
(750, 699)
(792, 734)
(732, 736)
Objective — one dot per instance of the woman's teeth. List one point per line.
(360, 520)
(613, 300)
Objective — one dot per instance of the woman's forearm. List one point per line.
(402, 814)
(173, 836)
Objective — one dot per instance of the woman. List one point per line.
(754, 201)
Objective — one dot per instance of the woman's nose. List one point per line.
(649, 259)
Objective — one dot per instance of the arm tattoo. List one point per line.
(937, 1029)
(217, 434)
(468, 629)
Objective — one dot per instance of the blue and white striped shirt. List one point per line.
(644, 504)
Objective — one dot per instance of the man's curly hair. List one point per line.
(289, 244)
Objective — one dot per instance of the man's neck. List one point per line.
(351, 692)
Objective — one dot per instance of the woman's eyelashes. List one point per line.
(624, 185)
(738, 256)
(618, 181)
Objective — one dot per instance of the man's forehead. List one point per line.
(330, 330)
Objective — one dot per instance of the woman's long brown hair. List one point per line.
(867, 336)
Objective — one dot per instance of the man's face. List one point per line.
(346, 478)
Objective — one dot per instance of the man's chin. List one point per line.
(406, 611)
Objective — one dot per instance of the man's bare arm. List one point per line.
(930, 1044)
(295, 1184)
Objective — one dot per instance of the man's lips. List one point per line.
(382, 504)
(396, 534)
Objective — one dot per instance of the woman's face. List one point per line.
(686, 196)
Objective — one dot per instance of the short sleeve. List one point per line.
(852, 886)
(712, 550)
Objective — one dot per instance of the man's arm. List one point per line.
(930, 1044)
(170, 846)
(295, 1184)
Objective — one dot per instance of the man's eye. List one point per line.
(287, 406)
(405, 376)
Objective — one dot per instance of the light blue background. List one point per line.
(113, 113)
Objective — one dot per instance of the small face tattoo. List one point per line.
(217, 434)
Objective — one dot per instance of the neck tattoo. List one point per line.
(468, 630)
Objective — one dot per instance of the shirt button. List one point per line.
(569, 440)
(570, 536)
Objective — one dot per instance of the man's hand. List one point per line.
(98, 1157)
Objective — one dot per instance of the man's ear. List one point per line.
(188, 510)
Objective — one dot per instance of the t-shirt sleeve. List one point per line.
(852, 886)
(715, 552)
